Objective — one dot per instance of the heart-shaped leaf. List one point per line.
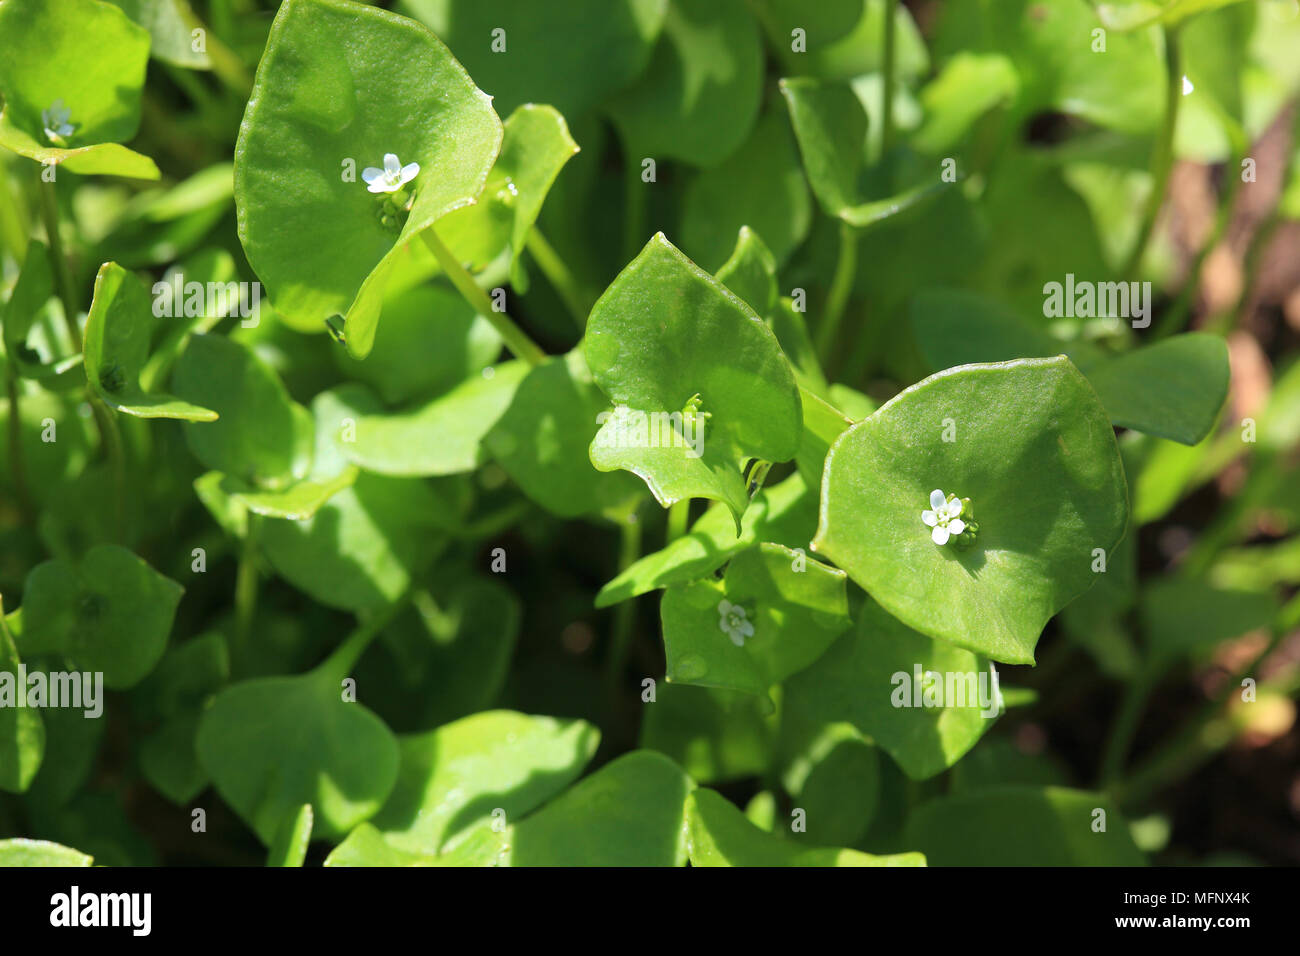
(70, 75)
(541, 441)
(721, 836)
(118, 332)
(698, 98)
(262, 436)
(631, 812)
(699, 382)
(1028, 444)
(750, 272)
(340, 86)
(108, 612)
(893, 685)
(272, 744)
(464, 773)
(713, 734)
(1023, 826)
(773, 614)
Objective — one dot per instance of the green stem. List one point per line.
(344, 657)
(560, 276)
(1124, 728)
(846, 266)
(111, 437)
(515, 338)
(679, 516)
(1162, 159)
(634, 208)
(887, 87)
(16, 465)
(246, 585)
(50, 216)
(620, 639)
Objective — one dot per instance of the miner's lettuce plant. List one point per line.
(567, 307)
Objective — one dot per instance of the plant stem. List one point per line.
(16, 444)
(887, 87)
(1123, 729)
(634, 208)
(515, 338)
(1162, 159)
(557, 272)
(50, 216)
(111, 437)
(679, 516)
(246, 585)
(846, 266)
(620, 638)
(344, 657)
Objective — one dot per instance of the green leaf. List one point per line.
(1173, 389)
(342, 82)
(1033, 452)
(571, 57)
(40, 853)
(721, 836)
(1023, 826)
(773, 614)
(108, 612)
(170, 24)
(869, 680)
(761, 185)
(89, 57)
(1137, 14)
(397, 443)
(534, 149)
(363, 547)
(631, 812)
(834, 777)
(663, 333)
(22, 732)
(118, 332)
(831, 127)
(430, 341)
(541, 441)
(31, 291)
(168, 760)
(750, 272)
(272, 744)
(1184, 615)
(713, 734)
(262, 436)
(292, 839)
(968, 86)
(366, 846)
(845, 38)
(698, 98)
(468, 772)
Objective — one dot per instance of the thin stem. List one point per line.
(16, 443)
(246, 584)
(887, 87)
(560, 276)
(515, 338)
(620, 638)
(634, 208)
(1124, 728)
(344, 657)
(679, 516)
(50, 216)
(1162, 159)
(846, 267)
(112, 439)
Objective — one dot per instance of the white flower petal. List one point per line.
(370, 174)
(380, 185)
(954, 508)
(956, 526)
(939, 535)
(736, 638)
(724, 607)
(937, 499)
(746, 628)
(930, 518)
(392, 165)
(410, 171)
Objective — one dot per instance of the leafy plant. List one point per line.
(640, 432)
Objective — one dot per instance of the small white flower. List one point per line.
(55, 120)
(392, 177)
(733, 621)
(942, 520)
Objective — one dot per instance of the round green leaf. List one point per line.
(663, 333)
(339, 86)
(40, 853)
(1032, 450)
(109, 612)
